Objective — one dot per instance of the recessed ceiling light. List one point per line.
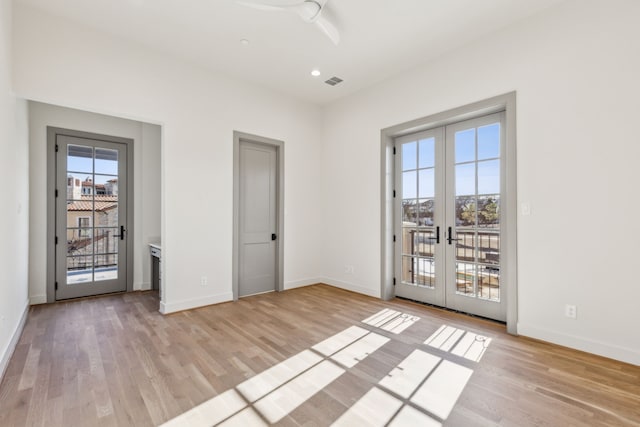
(315, 73)
(244, 42)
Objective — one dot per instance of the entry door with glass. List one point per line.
(91, 214)
(448, 229)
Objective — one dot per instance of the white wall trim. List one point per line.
(17, 333)
(303, 282)
(192, 303)
(37, 299)
(623, 354)
(350, 287)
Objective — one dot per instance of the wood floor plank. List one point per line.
(116, 361)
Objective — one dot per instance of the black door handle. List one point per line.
(273, 236)
(122, 230)
(437, 237)
(450, 236)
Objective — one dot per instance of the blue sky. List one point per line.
(481, 144)
(81, 166)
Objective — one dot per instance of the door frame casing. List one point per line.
(52, 133)
(239, 137)
(506, 103)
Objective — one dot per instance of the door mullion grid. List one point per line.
(93, 214)
(476, 246)
(450, 213)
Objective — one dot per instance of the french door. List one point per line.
(449, 188)
(91, 217)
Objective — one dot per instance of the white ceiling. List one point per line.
(380, 38)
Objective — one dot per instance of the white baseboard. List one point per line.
(622, 354)
(37, 299)
(350, 287)
(172, 307)
(17, 333)
(303, 282)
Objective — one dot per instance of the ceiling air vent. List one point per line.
(333, 81)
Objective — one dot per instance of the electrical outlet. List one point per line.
(203, 280)
(348, 269)
(525, 207)
(570, 311)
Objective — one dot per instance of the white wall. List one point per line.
(60, 62)
(575, 69)
(14, 215)
(146, 181)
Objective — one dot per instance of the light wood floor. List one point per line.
(116, 361)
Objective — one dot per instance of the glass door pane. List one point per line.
(420, 210)
(477, 178)
(474, 194)
(92, 214)
(91, 217)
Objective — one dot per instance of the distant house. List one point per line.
(92, 228)
(76, 188)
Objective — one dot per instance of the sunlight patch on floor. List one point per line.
(405, 378)
(211, 411)
(409, 416)
(281, 402)
(391, 320)
(472, 346)
(444, 338)
(248, 417)
(359, 350)
(421, 390)
(441, 390)
(465, 344)
(374, 409)
(340, 340)
(267, 381)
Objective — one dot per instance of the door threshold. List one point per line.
(259, 293)
(108, 294)
(451, 310)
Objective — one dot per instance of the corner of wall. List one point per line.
(348, 286)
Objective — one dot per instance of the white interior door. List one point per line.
(91, 217)
(257, 268)
(448, 227)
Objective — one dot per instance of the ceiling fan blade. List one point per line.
(311, 11)
(328, 29)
